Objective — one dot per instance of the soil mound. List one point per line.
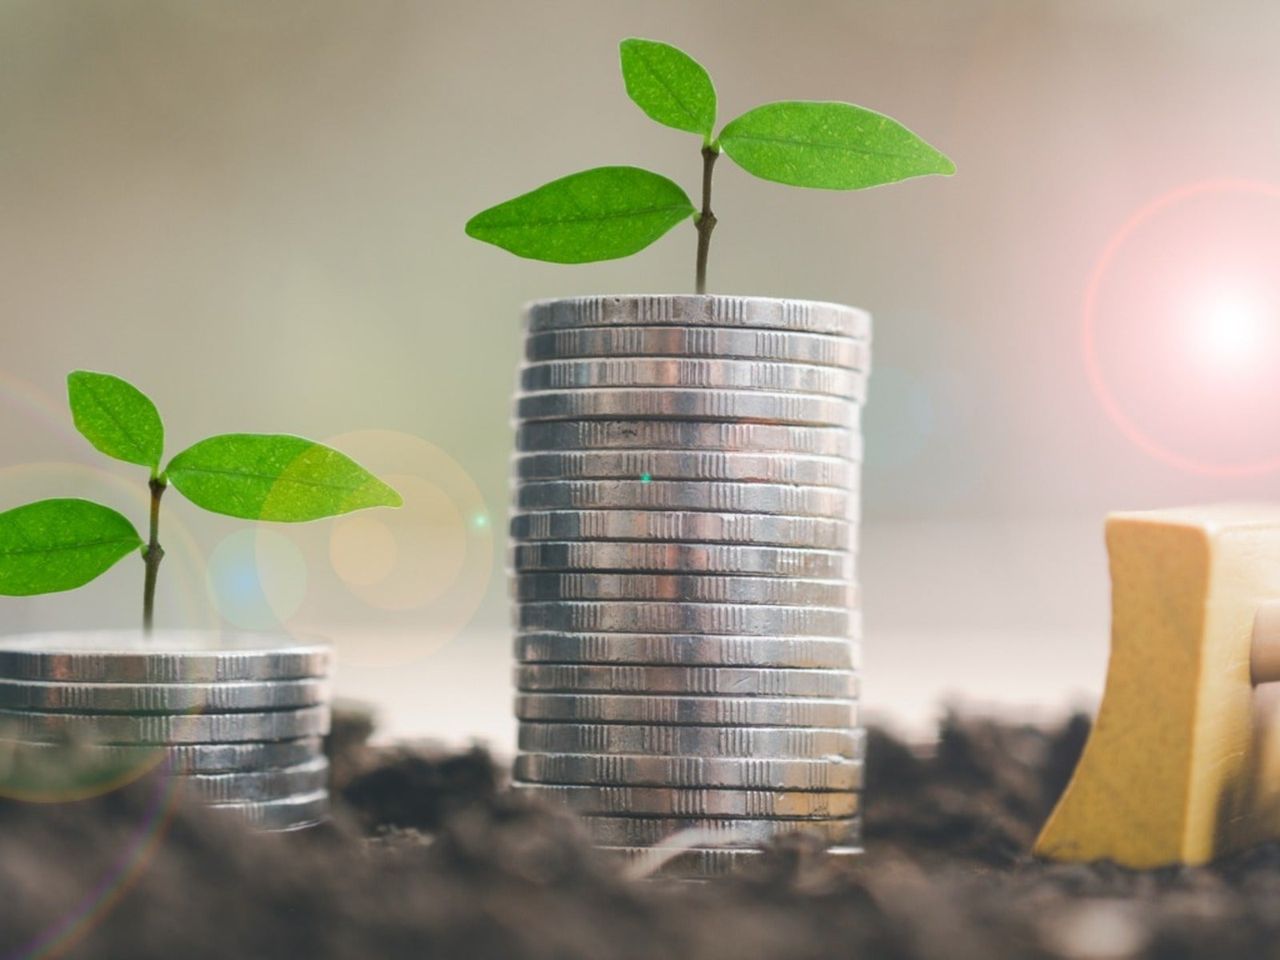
(431, 856)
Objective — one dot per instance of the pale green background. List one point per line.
(254, 210)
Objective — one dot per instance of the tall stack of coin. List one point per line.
(238, 719)
(684, 542)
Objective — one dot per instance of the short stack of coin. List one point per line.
(683, 554)
(238, 719)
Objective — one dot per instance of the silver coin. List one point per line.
(821, 533)
(747, 773)
(765, 498)
(836, 653)
(715, 833)
(686, 711)
(690, 310)
(715, 374)
(654, 403)
(712, 558)
(702, 681)
(653, 617)
(59, 696)
(185, 757)
(683, 588)
(672, 802)
(674, 741)
(258, 785)
(287, 813)
(711, 342)
(167, 728)
(168, 656)
(635, 434)
(658, 465)
(694, 863)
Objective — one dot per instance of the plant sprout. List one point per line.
(609, 212)
(61, 544)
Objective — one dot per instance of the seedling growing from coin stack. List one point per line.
(60, 544)
(610, 212)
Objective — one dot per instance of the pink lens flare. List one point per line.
(1208, 356)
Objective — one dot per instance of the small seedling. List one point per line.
(61, 544)
(609, 212)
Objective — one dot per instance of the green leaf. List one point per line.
(54, 545)
(275, 477)
(834, 146)
(598, 214)
(116, 417)
(669, 85)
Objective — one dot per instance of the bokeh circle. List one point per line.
(398, 584)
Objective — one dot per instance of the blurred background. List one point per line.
(254, 211)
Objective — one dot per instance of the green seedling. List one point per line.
(609, 212)
(62, 544)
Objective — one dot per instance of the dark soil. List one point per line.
(431, 857)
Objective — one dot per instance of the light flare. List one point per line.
(1179, 331)
(1233, 332)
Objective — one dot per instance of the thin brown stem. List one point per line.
(706, 221)
(153, 555)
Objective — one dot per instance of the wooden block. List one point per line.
(1183, 764)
